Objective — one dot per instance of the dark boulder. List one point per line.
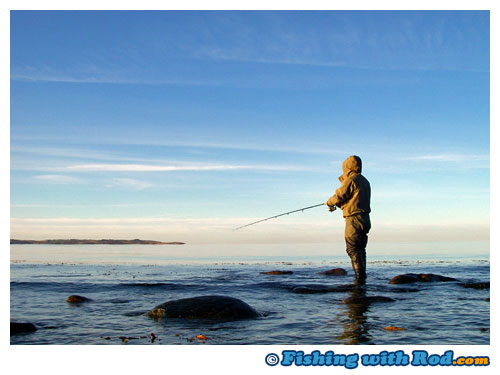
(366, 300)
(16, 328)
(430, 277)
(404, 279)
(315, 289)
(205, 307)
(408, 278)
(77, 299)
(334, 272)
(277, 272)
(482, 285)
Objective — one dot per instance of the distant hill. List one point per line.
(91, 242)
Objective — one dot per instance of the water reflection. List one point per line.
(356, 325)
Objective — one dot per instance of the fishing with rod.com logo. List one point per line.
(420, 358)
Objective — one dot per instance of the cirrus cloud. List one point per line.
(58, 179)
(174, 168)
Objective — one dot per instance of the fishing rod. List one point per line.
(274, 217)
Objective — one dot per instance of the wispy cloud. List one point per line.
(59, 179)
(310, 148)
(456, 158)
(185, 222)
(106, 79)
(228, 55)
(131, 183)
(87, 205)
(176, 168)
(60, 166)
(343, 41)
(73, 153)
(83, 221)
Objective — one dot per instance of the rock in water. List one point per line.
(404, 279)
(334, 272)
(277, 272)
(16, 328)
(394, 328)
(77, 299)
(481, 285)
(427, 277)
(366, 300)
(205, 307)
(408, 278)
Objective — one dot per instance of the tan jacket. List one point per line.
(353, 195)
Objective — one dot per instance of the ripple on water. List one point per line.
(430, 313)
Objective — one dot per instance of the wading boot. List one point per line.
(359, 267)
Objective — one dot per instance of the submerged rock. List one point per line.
(314, 289)
(334, 272)
(429, 277)
(277, 272)
(205, 307)
(482, 285)
(394, 328)
(404, 279)
(366, 300)
(408, 278)
(77, 299)
(16, 328)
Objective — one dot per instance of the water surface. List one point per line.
(125, 282)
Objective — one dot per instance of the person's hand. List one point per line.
(332, 208)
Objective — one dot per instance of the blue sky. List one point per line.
(183, 125)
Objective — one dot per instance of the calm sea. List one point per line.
(126, 281)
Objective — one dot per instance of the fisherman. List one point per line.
(353, 197)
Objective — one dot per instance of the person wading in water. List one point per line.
(353, 198)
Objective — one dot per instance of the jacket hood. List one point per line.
(350, 165)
